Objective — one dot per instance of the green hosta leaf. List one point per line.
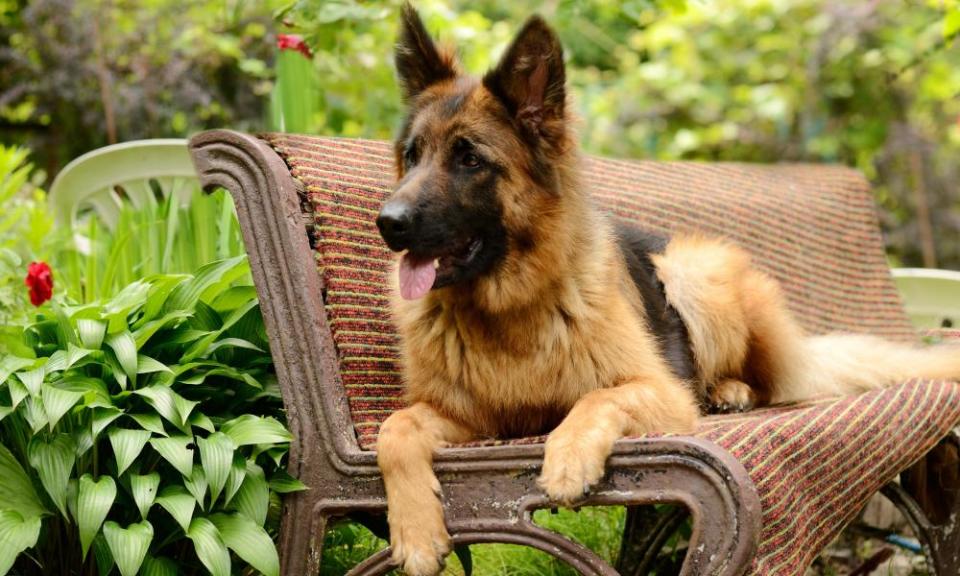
(91, 333)
(101, 552)
(161, 288)
(5, 411)
(67, 334)
(147, 365)
(35, 415)
(73, 494)
(125, 349)
(116, 310)
(53, 462)
(231, 342)
(202, 421)
(17, 391)
(127, 445)
(253, 497)
(103, 417)
(233, 298)
(150, 422)
(209, 546)
(57, 362)
(93, 504)
(205, 317)
(161, 399)
(158, 567)
(187, 336)
(283, 483)
(56, 402)
(174, 450)
(16, 535)
(216, 455)
(16, 489)
(249, 429)
(143, 333)
(74, 355)
(225, 371)
(249, 541)
(32, 379)
(186, 294)
(197, 484)
(238, 471)
(206, 346)
(117, 370)
(128, 545)
(144, 489)
(238, 313)
(172, 406)
(95, 390)
(184, 408)
(178, 503)
(84, 441)
(10, 364)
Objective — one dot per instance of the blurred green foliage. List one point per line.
(866, 83)
(873, 85)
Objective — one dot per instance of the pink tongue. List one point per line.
(416, 278)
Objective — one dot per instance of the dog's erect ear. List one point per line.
(530, 77)
(419, 62)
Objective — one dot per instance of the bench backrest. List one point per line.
(812, 227)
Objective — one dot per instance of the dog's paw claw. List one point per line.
(420, 545)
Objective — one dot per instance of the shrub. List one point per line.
(142, 432)
(25, 231)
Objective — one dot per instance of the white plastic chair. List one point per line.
(135, 171)
(931, 296)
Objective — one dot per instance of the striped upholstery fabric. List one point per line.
(816, 465)
(813, 228)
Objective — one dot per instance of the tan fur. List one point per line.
(555, 338)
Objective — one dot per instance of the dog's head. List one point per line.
(480, 163)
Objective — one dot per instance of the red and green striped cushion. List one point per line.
(816, 465)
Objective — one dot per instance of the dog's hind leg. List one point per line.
(405, 447)
(577, 450)
(740, 328)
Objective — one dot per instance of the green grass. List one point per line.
(597, 528)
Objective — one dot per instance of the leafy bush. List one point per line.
(161, 237)
(25, 231)
(141, 433)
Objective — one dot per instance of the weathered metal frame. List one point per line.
(489, 493)
(932, 508)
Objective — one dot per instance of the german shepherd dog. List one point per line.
(523, 311)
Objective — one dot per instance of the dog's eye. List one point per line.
(470, 160)
(411, 155)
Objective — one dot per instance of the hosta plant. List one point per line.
(141, 434)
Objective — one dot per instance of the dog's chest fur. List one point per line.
(518, 374)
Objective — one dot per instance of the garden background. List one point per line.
(138, 407)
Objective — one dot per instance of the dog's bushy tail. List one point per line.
(842, 364)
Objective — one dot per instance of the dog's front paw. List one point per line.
(419, 538)
(570, 466)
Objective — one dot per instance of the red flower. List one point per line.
(40, 281)
(293, 42)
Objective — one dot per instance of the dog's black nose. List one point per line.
(396, 224)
